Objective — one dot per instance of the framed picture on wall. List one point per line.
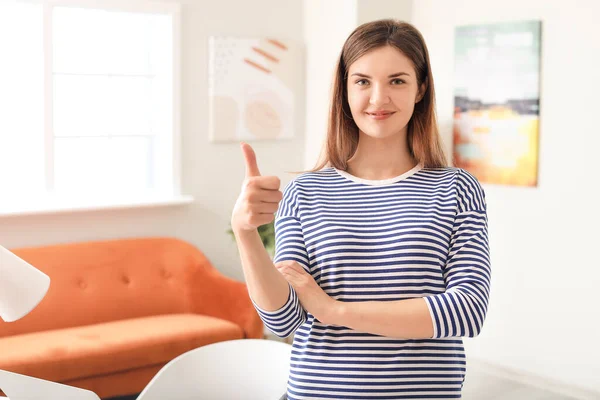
(253, 84)
(497, 101)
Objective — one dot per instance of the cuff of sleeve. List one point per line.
(434, 313)
(289, 304)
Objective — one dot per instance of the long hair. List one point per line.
(342, 134)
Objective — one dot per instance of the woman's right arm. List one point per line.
(267, 287)
(273, 298)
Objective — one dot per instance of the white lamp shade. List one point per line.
(22, 286)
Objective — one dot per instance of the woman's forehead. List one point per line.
(383, 61)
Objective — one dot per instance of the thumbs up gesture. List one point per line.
(259, 198)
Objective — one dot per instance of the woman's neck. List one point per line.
(377, 159)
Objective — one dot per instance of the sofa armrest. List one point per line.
(214, 294)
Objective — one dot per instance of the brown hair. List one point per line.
(342, 133)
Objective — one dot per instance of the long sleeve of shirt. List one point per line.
(461, 310)
(289, 246)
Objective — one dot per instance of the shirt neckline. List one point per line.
(380, 182)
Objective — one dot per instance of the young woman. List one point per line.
(382, 258)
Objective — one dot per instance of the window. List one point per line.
(88, 102)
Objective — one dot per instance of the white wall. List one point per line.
(371, 10)
(326, 26)
(212, 173)
(543, 317)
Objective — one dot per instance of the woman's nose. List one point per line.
(379, 96)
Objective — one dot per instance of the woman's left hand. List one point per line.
(314, 300)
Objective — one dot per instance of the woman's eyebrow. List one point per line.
(389, 76)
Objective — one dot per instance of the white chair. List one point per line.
(253, 369)
(22, 287)
(23, 387)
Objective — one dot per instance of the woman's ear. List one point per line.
(422, 90)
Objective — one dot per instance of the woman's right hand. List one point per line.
(259, 198)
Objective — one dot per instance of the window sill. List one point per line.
(63, 206)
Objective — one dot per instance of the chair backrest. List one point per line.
(238, 369)
(23, 387)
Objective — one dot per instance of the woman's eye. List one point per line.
(362, 82)
(397, 81)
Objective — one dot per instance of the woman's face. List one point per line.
(382, 92)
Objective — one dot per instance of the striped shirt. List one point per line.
(421, 234)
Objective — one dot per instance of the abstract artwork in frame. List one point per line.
(496, 102)
(252, 88)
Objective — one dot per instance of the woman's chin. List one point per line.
(381, 133)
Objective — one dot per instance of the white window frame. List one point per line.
(58, 205)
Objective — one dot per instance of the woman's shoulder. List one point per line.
(440, 174)
(469, 192)
(452, 173)
(466, 179)
(466, 185)
(310, 179)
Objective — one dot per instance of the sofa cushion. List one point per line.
(73, 353)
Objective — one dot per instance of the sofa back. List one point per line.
(95, 282)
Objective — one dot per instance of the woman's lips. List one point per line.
(380, 115)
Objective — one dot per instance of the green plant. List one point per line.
(267, 235)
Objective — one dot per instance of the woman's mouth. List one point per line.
(380, 115)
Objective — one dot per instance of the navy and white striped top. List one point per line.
(421, 234)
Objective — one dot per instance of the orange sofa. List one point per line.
(118, 310)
